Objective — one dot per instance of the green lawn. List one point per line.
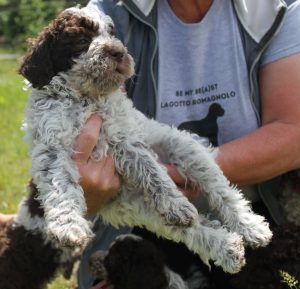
(14, 160)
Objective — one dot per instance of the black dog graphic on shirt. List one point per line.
(208, 126)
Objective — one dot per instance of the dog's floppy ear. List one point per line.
(36, 65)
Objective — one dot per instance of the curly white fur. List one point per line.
(56, 114)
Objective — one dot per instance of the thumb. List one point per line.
(177, 178)
(87, 139)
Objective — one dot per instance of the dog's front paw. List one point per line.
(181, 213)
(72, 233)
(231, 254)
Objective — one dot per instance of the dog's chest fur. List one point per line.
(56, 116)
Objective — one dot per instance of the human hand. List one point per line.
(99, 179)
(102, 285)
(5, 218)
(182, 184)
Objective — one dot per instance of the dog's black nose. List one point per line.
(115, 54)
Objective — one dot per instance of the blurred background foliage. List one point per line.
(20, 19)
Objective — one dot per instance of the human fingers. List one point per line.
(177, 178)
(191, 193)
(100, 182)
(87, 139)
(101, 175)
(102, 285)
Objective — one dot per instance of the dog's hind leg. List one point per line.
(140, 168)
(196, 163)
(207, 239)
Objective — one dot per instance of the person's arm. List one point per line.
(274, 148)
(99, 179)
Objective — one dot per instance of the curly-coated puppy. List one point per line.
(75, 68)
(133, 263)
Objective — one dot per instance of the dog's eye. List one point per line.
(83, 41)
(111, 30)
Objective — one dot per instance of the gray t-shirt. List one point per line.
(203, 74)
(203, 81)
(287, 41)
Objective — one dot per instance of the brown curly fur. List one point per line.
(53, 49)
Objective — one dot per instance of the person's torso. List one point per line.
(203, 81)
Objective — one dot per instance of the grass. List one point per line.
(291, 281)
(14, 160)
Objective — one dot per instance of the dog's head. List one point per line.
(130, 263)
(81, 44)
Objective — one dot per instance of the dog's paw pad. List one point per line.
(181, 213)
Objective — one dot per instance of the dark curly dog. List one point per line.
(134, 263)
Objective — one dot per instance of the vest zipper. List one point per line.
(252, 73)
(153, 54)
